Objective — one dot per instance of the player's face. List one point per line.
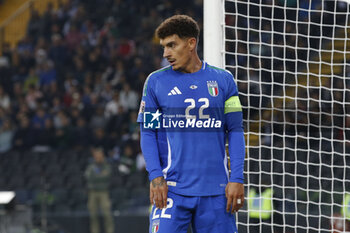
(177, 51)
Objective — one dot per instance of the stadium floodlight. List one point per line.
(290, 60)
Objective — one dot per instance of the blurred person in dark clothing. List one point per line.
(26, 62)
(74, 115)
(32, 97)
(112, 107)
(73, 37)
(5, 101)
(81, 134)
(58, 52)
(6, 136)
(51, 93)
(63, 137)
(129, 99)
(47, 75)
(100, 139)
(45, 137)
(35, 24)
(133, 125)
(98, 175)
(23, 137)
(127, 162)
(79, 70)
(5, 73)
(98, 120)
(39, 118)
(119, 121)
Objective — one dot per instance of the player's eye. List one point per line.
(171, 45)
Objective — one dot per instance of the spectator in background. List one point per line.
(35, 24)
(114, 74)
(5, 72)
(260, 206)
(98, 176)
(5, 101)
(127, 162)
(128, 98)
(98, 120)
(108, 92)
(47, 75)
(63, 137)
(39, 118)
(31, 80)
(140, 162)
(23, 137)
(133, 125)
(45, 137)
(32, 97)
(58, 52)
(73, 38)
(100, 139)
(6, 136)
(112, 106)
(81, 134)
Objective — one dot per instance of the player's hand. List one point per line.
(158, 192)
(235, 196)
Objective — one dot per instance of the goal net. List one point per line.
(290, 60)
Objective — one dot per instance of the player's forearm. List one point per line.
(237, 155)
(151, 153)
(236, 148)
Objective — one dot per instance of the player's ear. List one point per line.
(192, 43)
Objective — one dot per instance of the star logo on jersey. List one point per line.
(213, 88)
(156, 115)
(151, 120)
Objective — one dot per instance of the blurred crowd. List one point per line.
(75, 79)
(276, 43)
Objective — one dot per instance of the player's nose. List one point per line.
(166, 53)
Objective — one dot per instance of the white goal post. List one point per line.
(213, 32)
(291, 62)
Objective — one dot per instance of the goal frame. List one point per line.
(214, 32)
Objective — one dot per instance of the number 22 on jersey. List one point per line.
(170, 204)
(192, 105)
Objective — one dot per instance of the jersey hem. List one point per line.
(177, 191)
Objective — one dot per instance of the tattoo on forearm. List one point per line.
(158, 183)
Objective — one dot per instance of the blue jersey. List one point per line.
(186, 118)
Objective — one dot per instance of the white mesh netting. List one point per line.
(290, 59)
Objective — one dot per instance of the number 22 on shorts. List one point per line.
(170, 203)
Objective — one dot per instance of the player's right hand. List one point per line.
(158, 192)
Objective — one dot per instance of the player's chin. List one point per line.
(177, 67)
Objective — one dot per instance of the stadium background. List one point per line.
(71, 74)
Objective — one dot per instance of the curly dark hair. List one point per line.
(182, 25)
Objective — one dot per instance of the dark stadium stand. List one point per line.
(57, 95)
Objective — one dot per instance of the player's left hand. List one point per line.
(235, 196)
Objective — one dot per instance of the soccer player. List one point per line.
(187, 113)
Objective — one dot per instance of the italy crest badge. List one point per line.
(213, 88)
(155, 226)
